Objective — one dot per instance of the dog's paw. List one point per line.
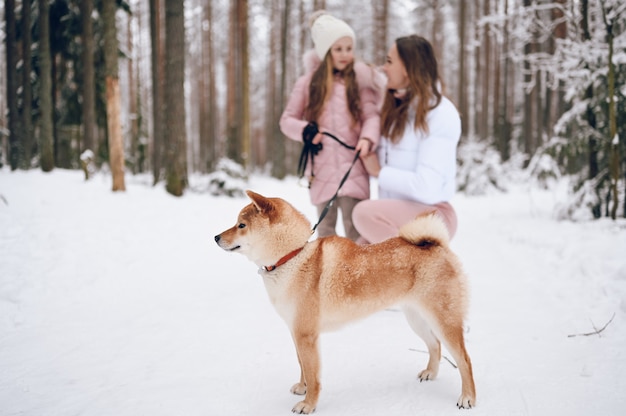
(299, 389)
(427, 374)
(466, 402)
(303, 408)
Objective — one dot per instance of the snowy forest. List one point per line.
(174, 88)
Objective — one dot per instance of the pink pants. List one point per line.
(379, 219)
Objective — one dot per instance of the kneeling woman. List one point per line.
(416, 161)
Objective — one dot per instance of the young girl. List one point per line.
(342, 97)
(416, 161)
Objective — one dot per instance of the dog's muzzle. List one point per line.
(218, 239)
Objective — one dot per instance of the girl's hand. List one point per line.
(372, 166)
(318, 138)
(364, 145)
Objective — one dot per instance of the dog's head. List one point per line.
(266, 230)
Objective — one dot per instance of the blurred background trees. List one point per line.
(541, 85)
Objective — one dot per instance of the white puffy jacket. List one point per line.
(422, 167)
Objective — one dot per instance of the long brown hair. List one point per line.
(419, 60)
(322, 85)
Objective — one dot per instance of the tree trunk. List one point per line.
(530, 98)
(590, 115)
(89, 77)
(462, 96)
(557, 100)
(15, 139)
(381, 17)
(502, 123)
(436, 37)
(238, 115)
(244, 104)
(27, 88)
(319, 4)
(208, 102)
(487, 76)
(305, 40)
(142, 148)
(113, 98)
(203, 87)
(175, 131)
(46, 134)
(233, 139)
(279, 168)
(157, 71)
(613, 142)
(271, 107)
(539, 120)
(133, 97)
(496, 130)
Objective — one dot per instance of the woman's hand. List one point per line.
(364, 145)
(372, 166)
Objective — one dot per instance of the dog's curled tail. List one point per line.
(426, 231)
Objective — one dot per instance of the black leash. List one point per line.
(338, 140)
(332, 200)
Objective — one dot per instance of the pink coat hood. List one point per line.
(334, 160)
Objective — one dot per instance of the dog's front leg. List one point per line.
(300, 387)
(308, 355)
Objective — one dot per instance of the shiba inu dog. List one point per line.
(319, 285)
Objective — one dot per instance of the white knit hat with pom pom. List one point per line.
(326, 30)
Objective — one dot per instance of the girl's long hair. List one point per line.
(418, 57)
(322, 85)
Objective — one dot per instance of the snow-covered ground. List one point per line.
(122, 304)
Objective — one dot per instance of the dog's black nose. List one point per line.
(217, 238)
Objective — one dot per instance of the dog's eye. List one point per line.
(241, 225)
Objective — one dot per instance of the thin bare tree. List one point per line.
(504, 90)
(113, 97)
(610, 17)
(462, 75)
(381, 18)
(46, 132)
(89, 78)
(175, 129)
(27, 86)
(272, 140)
(208, 103)
(279, 167)
(556, 101)
(133, 96)
(158, 82)
(15, 139)
(319, 4)
(530, 98)
(237, 107)
(592, 143)
(486, 78)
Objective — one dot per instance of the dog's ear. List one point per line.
(262, 203)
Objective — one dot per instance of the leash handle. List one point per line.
(332, 200)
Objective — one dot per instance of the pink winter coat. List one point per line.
(334, 160)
